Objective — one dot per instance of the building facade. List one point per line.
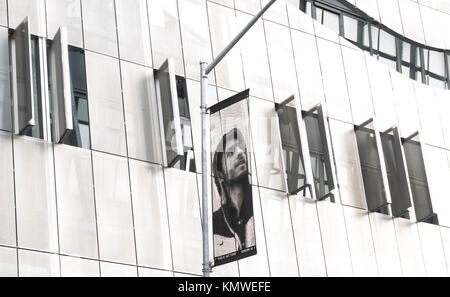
(358, 192)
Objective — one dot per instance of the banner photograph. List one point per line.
(233, 220)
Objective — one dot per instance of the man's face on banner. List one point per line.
(234, 162)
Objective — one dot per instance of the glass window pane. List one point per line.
(396, 174)
(292, 150)
(329, 19)
(371, 169)
(320, 158)
(418, 181)
(356, 31)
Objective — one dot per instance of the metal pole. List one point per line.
(203, 84)
(205, 69)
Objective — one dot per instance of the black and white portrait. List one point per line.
(233, 222)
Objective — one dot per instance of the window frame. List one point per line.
(370, 126)
(317, 112)
(303, 148)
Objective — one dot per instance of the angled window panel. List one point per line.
(319, 153)
(22, 81)
(293, 152)
(169, 113)
(61, 87)
(396, 173)
(371, 167)
(418, 180)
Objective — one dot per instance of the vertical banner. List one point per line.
(233, 220)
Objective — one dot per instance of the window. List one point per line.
(293, 158)
(410, 60)
(414, 60)
(175, 120)
(434, 63)
(68, 92)
(396, 173)
(42, 70)
(357, 32)
(366, 138)
(26, 57)
(319, 153)
(418, 180)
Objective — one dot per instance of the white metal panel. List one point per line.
(8, 262)
(360, 242)
(116, 237)
(257, 265)
(385, 244)
(35, 194)
(445, 235)
(76, 207)
(77, 267)
(7, 206)
(307, 237)
(433, 251)
(409, 247)
(279, 236)
(36, 264)
(334, 238)
(184, 220)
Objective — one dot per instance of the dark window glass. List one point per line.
(418, 182)
(175, 120)
(320, 158)
(81, 135)
(371, 169)
(292, 152)
(187, 161)
(396, 174)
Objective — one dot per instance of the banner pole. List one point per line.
(205, 69)
(205, 220)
